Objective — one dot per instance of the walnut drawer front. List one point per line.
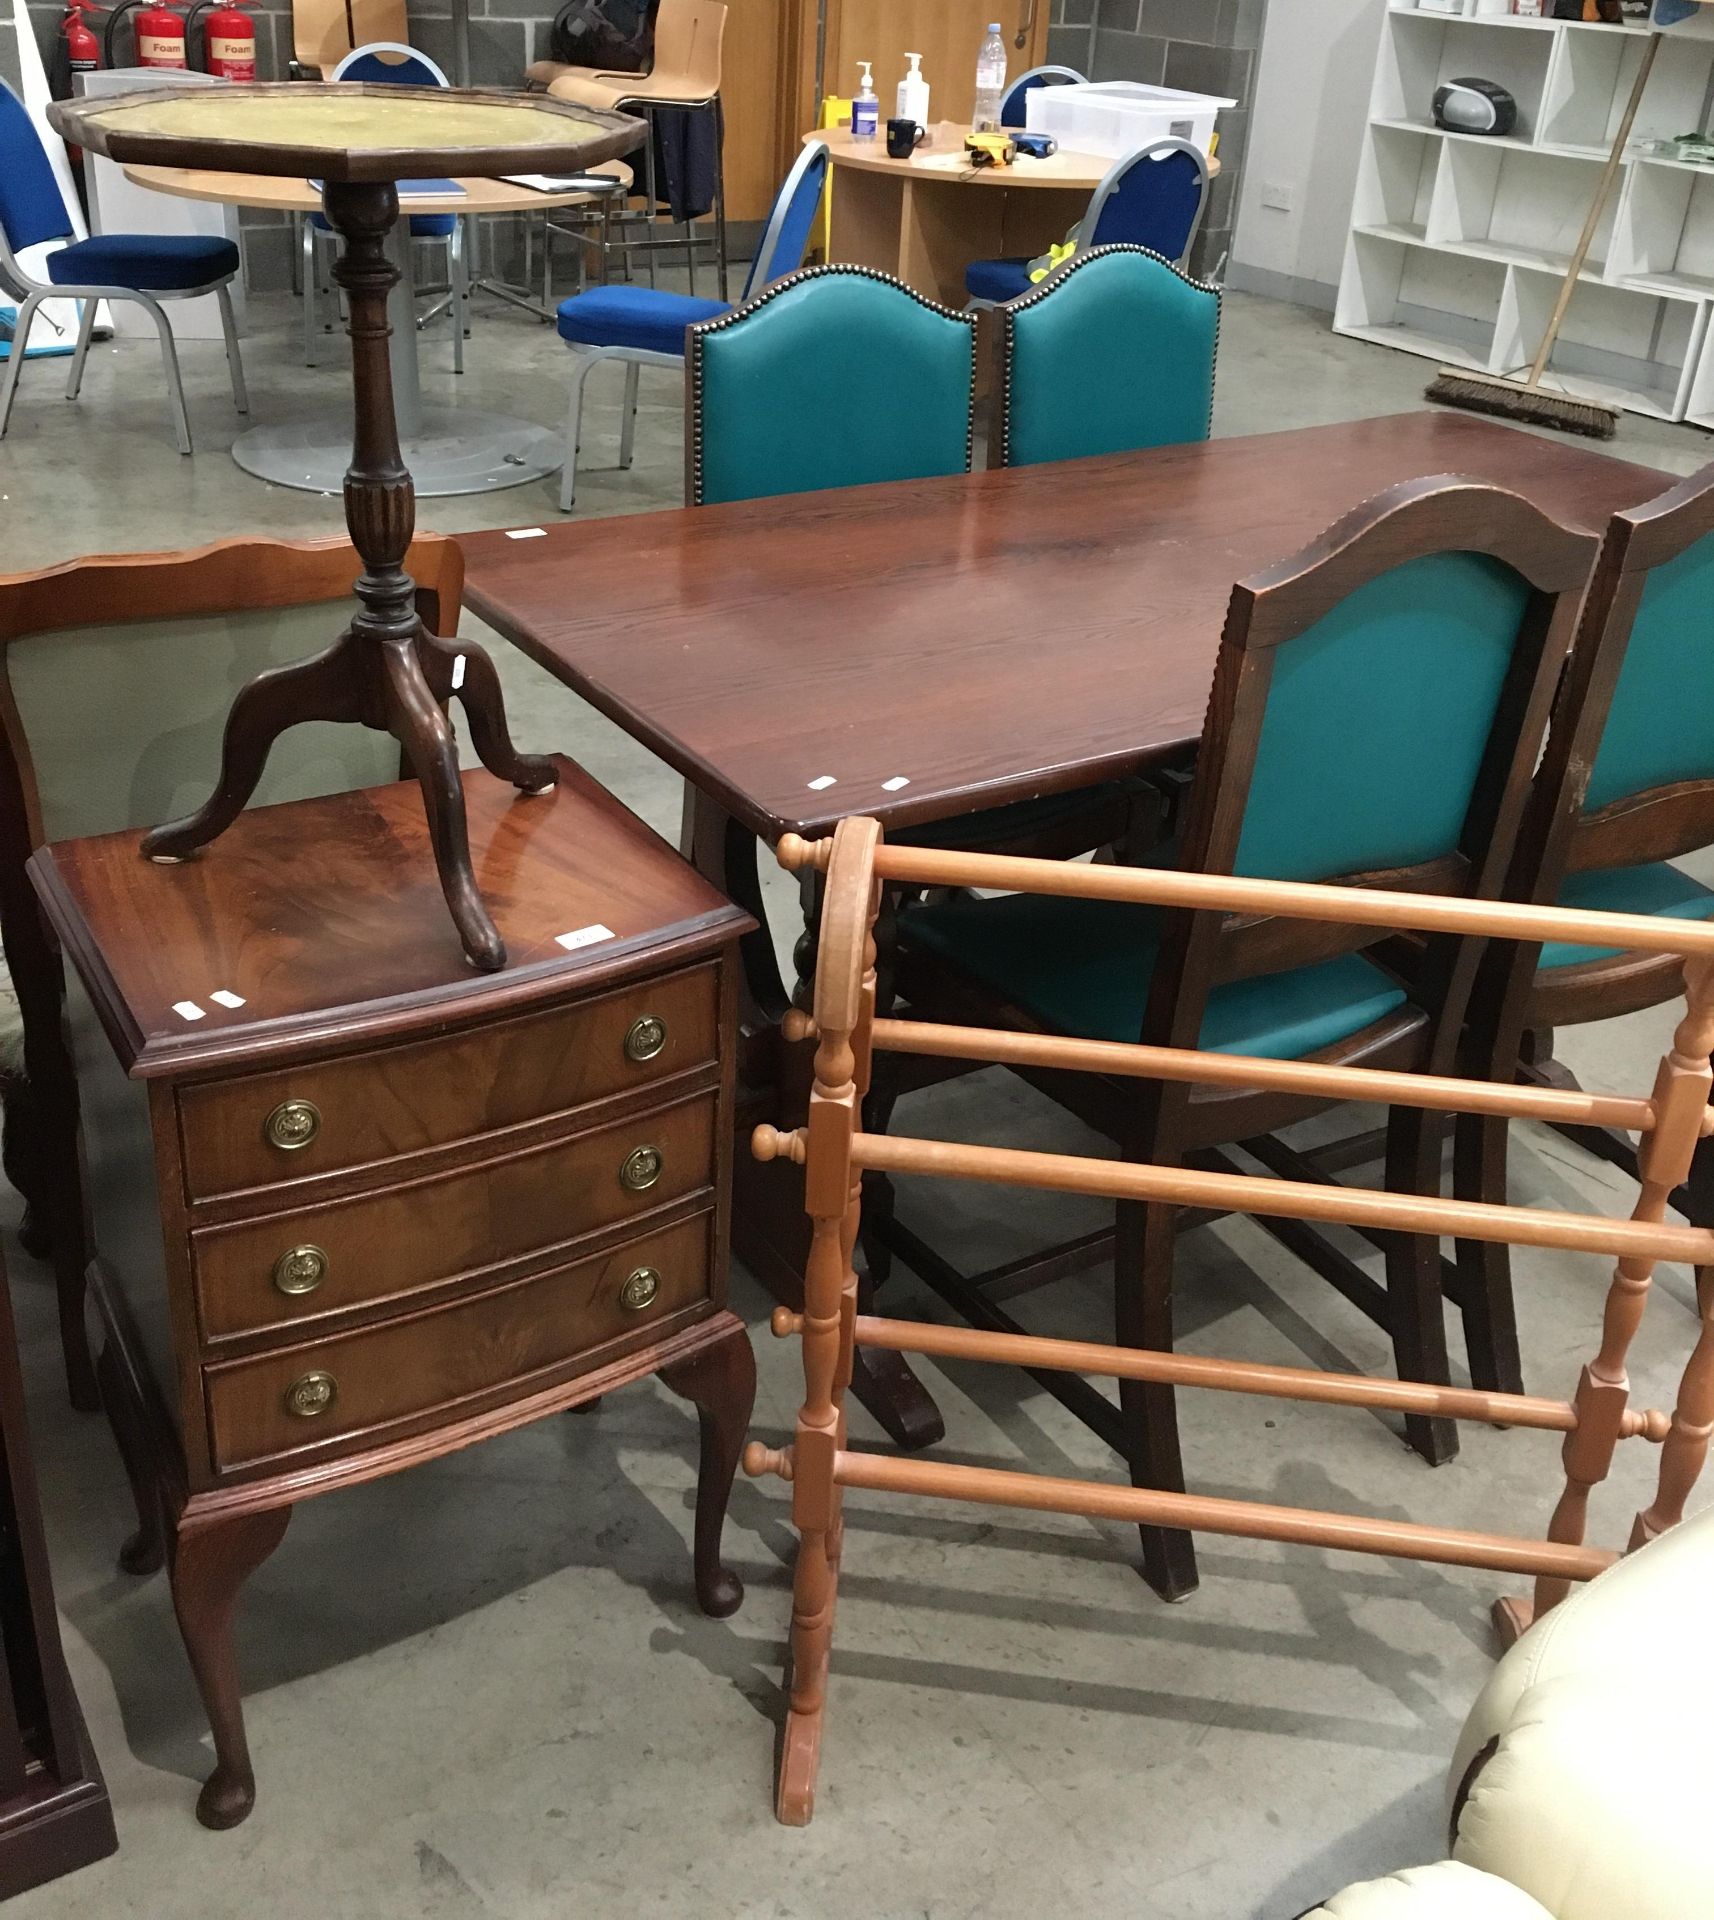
(424, 1365)
(280, 1126)
(286, 1268)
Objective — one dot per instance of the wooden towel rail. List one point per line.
(835, 1152)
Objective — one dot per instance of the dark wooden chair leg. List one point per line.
(485, 709)
(1485, 1269)
(1142, 1275)
(720, 1382)
(1414, 1141)
(146, 1550)
(322, 688)
(210, 1561)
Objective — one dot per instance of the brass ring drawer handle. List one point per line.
(646, 1037)
(311, 1395)
(300, 1269)
(641, 1286)
(292, 1124)
(641, 1168)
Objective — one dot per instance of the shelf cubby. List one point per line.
(1396, 183)
(1589, 85)
(1423, 50)
(1401, 294)
(1665, 233)
(1632, 349)
(1516, 206)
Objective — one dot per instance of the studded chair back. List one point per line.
(833, 377)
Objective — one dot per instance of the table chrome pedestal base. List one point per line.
(452, 450)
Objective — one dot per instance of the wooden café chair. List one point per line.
(116, 674)
(835, 1149)
(1113, 352)
(1626, 788)
(1378, 707)
(325, 31)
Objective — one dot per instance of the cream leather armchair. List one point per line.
(1583, 1786)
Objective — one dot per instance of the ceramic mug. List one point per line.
(903, 138)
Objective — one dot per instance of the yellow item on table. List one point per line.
(989, 149)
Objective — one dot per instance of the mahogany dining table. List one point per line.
(921, 649)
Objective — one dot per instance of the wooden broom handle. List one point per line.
(1597, 207)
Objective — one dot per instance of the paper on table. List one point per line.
(546, 182)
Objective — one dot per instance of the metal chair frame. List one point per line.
(585, 358)
(33, 292)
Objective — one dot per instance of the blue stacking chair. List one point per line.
(391, 63)
(645, 326)
(1154, 199)
(147, 268)
(1014, 108)
(1113, 351)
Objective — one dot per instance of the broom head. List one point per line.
(1533, 406)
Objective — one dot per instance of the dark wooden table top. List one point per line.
(323, 919)
(979, 639)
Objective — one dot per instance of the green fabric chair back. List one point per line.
(834, 377)
(1377, 720)
(1660, 725)
(1113, 352)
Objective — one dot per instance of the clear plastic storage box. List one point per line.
(1116, 117)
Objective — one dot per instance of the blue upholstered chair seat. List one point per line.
(1658, 889)
(997, 280)
(424, 226)
(645, 318)
(151, 262)
(1083, 967)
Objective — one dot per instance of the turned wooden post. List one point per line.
(1664, 1155)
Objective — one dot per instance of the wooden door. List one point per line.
(947, 33)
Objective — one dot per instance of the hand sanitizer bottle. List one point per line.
(913, 92)
(865, 108)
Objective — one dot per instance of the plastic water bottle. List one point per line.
(990, 80)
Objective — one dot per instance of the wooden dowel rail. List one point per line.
(1293, 899)
(1203, 1513)
(1247, 1193)
(1003, 1047)
(1224, 1376)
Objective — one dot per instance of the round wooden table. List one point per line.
(448, 450)
(926, 219)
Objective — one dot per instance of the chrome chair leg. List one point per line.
(460, 300)
(649, 209)
(86, 326)
(307, 250)
(15, 359)
(234, 362)
(170, 362)
(628, 426)
(580, 366)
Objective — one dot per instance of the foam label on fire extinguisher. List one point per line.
(160, 49)
(232, 59)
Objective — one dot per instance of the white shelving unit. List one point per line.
(1459, 241)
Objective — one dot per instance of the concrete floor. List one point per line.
(482, 1689)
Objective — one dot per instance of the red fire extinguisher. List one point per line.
(160, 36)
(230, 41)
(83, 50)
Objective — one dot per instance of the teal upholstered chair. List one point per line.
(1114, 351)
(1379, 703)
(832, 377)
(841, 376)
(1625, 789)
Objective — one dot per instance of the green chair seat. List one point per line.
(1660, 889)
(1005, 826)
(1083, 967)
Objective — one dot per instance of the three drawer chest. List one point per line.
(352, 1204)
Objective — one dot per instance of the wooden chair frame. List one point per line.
(835, 1153)
(1162, 1123)
(228, 577)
